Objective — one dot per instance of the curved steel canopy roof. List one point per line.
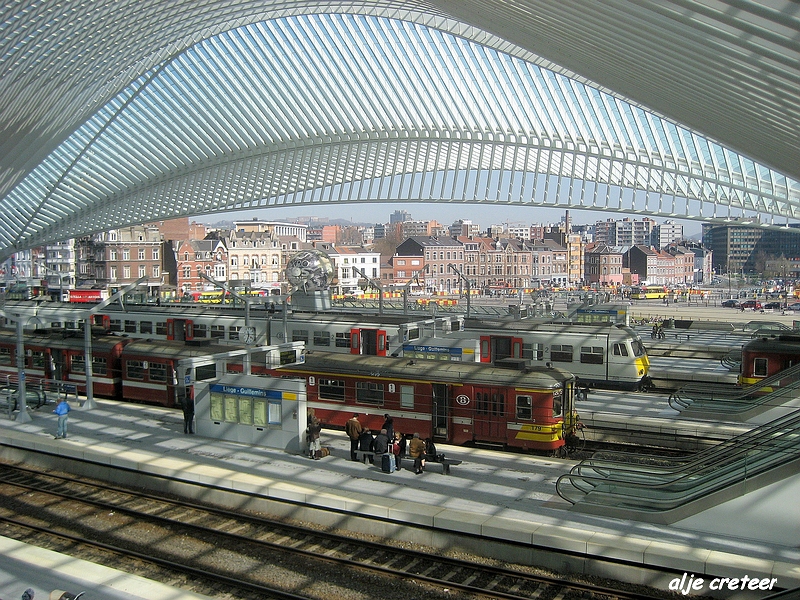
(117, 111)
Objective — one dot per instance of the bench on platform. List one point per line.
(362, 455)
(445, 462)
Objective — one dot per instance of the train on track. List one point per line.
(452, 402)
(767, 356)
(600, 355)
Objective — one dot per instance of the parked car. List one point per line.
(753, 304)
(773, 306)
(795, 306)
(731, 303)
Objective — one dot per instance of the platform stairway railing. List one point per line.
(39, 391)
(625, 482)
(741, 410)
(688, 395)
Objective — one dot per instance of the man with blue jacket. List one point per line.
(62, 410)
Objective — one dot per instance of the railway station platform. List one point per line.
(497, 503)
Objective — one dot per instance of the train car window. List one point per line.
(134, 369)
(498, 404)
(524, 408)
(233, 332)
(533, 351)
(331, 389)
(561, 353)
(620, 350)
(5, 356)
(161, 328)
(760, 367)
(205, 372)
(218, 332)
(558, 405)
(130, 326)
(638, 348)
(322, 338)
(146, 327)
(407, 396)
(99, 365)
(343, 339)
(115, 325)
(37, 359)
(158, 372)
(369, 392)
(592, 355)
(484, 349)
(79, 363)
(199, 330)
(300, 335)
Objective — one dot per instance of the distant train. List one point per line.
(351, 333)
(147, 371)
(453, 402)
(767, 356)
(601, 355)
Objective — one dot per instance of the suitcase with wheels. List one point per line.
(387, 463)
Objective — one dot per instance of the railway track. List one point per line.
(233, 554)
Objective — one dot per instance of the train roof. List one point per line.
(63, 338)
(785, 343)
(431, 370)
(175, 349)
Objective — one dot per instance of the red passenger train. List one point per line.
(766, 356)
(122, 368)
(452, 402)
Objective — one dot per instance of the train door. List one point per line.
(176, 329)
(440, 412)
(489, 416)
(58, 358)
(496, 347)
(370, 342)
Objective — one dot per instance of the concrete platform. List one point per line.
(498, 497)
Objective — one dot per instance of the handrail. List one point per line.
(620, 482)
(690, 394)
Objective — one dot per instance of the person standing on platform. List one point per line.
(388, 425)
(394, 448)
(188, 414)
(353, 429)
(62, 410)
(314, 429)
(416, 450)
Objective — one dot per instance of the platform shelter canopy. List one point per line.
(123, 112)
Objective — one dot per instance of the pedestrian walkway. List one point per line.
(495, 495)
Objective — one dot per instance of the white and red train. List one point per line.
(453, 402)
(598, 355)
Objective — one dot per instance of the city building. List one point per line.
(194, 257)
(603, 266)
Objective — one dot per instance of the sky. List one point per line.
(446, 214)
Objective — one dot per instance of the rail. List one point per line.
(740, 399)
(38, 392)
(623, 482)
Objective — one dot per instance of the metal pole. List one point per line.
(87, 339)
(22, 396)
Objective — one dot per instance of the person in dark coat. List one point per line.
(188, 415)
(388, 425)
(381, 444)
